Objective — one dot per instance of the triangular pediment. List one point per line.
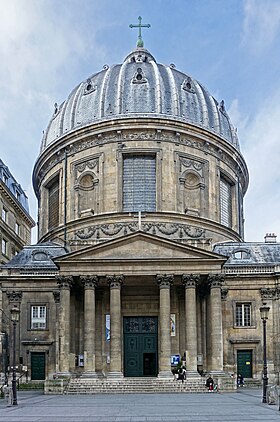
(139, 246)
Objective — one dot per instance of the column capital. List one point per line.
(215, 280)
(190, 280)
(165, 280)
(56, 296)
(89, 281)
(64, 282)
(115, 281)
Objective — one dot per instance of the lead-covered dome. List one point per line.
(139, 87)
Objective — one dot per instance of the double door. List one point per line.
(140, 347)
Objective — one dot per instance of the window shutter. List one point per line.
(53, 213)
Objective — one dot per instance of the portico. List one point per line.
(144, 278)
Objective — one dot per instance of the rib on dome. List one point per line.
(139, 87)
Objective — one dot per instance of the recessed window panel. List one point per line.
(139, 183)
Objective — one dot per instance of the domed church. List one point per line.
(141, 259)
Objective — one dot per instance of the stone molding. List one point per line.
(115, 281)
(166, 229)
(149, 134)
(64, 282)
(190, 280)
(216, 280)
(165, 281)
(14, 296)
(89, 281)
(270, 293)
(56, 296)
(224, 293)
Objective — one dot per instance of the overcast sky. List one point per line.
(231, 46)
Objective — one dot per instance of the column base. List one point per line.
(115, 375)
(217, 373)
(89, 374)
(192, 374)
(63, 374)
(165, 374)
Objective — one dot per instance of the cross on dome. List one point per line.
(140, 42)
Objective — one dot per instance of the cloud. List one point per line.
(261, 24)
(261, 147)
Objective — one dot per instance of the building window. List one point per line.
(225, 202)
(243, 315)
(17, 228)
(53, 202)
(139, 183)
(38, 317)
(18, 195)
(4, 214)
(5, 179)
(241, 255)
(4, 247)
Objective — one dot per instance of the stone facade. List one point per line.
(137, 208)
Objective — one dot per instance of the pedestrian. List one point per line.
(240, 381)
(210, 384)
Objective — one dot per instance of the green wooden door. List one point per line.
(38, 362)
(244, 363)
(140, 346)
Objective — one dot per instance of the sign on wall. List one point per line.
(172, 325)
(108, 333)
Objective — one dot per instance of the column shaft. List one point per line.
(89, 323)
(216, 323)
(164, 281)
(64, 323)
(115, 283)
(190, 281)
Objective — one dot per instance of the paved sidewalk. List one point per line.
(244, 405)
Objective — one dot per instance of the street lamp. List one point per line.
(264, 316)
(15, 319)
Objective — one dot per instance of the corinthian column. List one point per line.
(164, 281)
(190, 281)
(216, 357)
(115, 282)
(64, 283)
(89, 283)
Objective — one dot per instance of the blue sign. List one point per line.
(175, 359)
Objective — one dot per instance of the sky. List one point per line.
(47, 47)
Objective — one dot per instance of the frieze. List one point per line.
(115, 281)
(190, 280)
(14, 296)
(98, 140)
(167, 229)
(215, 280)
(270, 293)
(89, 282)
(165, 280)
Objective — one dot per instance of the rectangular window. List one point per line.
(243, 315)
(38, 317)
(4, 247)
(4, 214)
(17, 228)
(53, 201)
(139, 183)
(226, 202)
(5, 179)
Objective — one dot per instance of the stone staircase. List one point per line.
(134, 385)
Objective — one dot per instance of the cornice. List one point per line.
(16, 204)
